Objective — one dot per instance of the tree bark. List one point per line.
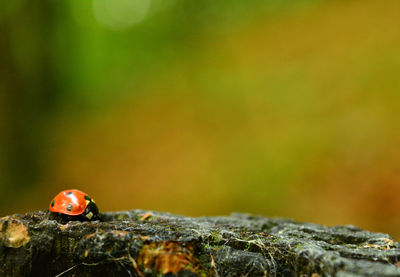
(141, 243)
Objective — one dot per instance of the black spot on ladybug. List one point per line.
(53, 202)
(88, 198)
(69, 193)
(69, 207)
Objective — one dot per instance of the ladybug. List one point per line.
(74, 202)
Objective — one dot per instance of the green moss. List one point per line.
(216, 237)
(121, 216)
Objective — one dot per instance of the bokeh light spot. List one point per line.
(120, 14)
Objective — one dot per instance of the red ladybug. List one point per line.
(74, 202)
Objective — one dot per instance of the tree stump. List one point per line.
(143, 243)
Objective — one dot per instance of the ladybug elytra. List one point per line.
(74, 202)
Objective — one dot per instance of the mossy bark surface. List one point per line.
(142, 243)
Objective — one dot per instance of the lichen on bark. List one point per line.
(142, 243)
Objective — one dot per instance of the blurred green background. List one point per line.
(281, 108)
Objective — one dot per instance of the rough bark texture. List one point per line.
(139, 243)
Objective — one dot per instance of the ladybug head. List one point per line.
(91, 211)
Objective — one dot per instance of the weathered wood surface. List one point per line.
(132, 243)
